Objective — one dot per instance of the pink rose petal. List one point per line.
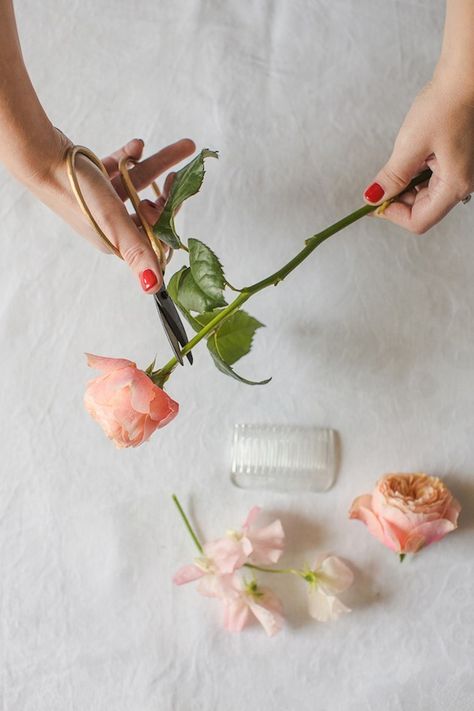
(126, 403)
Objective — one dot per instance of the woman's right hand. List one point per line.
(105, 197)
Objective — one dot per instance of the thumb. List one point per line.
(401, 167)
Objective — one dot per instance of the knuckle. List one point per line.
(395, 176)
(133, 254)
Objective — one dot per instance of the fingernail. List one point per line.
(374, 192)
(141, 141)
(148, 279)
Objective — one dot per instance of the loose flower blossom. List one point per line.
(226, 555)
(262, 546)
(217, 572)
(125, 402)
(329, 577)
(247, 599)
(407, 512)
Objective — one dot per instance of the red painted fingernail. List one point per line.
(148, 279)
(374, 192)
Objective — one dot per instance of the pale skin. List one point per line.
(34, 152)
(438, 132)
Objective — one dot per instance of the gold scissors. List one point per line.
(167, 311)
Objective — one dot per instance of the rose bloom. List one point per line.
(125, 402)
(407, 511)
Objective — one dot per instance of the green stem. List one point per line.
(188, 525)
(201, 550)
(310, 245)
(272, 570)
(225, 313)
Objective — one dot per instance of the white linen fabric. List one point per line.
(373, 336)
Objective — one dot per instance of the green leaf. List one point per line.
(234, 338)
(151, 367)
(186, 293)
(226, 369)
(173, 291)
(207, 271)
(173, 284)
(187, 182)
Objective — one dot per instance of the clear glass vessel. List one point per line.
(283, 457)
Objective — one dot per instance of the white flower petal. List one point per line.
(334, 576)
(325, 607)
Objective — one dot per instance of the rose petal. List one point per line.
(107, 364)
(453, 511)
(428, 533)
(142, 392)
(162, 408)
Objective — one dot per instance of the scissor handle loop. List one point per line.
(71, 155)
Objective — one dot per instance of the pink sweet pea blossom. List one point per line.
(262, 546)
(125, 402)
(223, 556)
(214, 573)
(407, 511)
(247, 599)
(329, 577)
(212, 583)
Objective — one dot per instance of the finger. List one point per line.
(167, 185)
(132, 149)
(137, 222)
(112, 217)
(402, 166)
(151, 211)
(430, 205)
(150, 168)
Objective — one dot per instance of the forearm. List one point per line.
(27, 136)
(457, 53)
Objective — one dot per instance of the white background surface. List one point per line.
(373, 336)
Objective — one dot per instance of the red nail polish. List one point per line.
(374, 192)
(148, 279)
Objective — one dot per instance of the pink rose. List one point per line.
(407, 511)
(125, 402)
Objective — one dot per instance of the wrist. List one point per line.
(456, 76)
(41, 156)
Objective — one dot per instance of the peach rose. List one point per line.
(125, 402)
(407, 511)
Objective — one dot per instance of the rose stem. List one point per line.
(310, 245)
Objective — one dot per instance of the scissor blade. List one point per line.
(173, 341)
(172, 324)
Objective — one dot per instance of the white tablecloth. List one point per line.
(373, 336)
